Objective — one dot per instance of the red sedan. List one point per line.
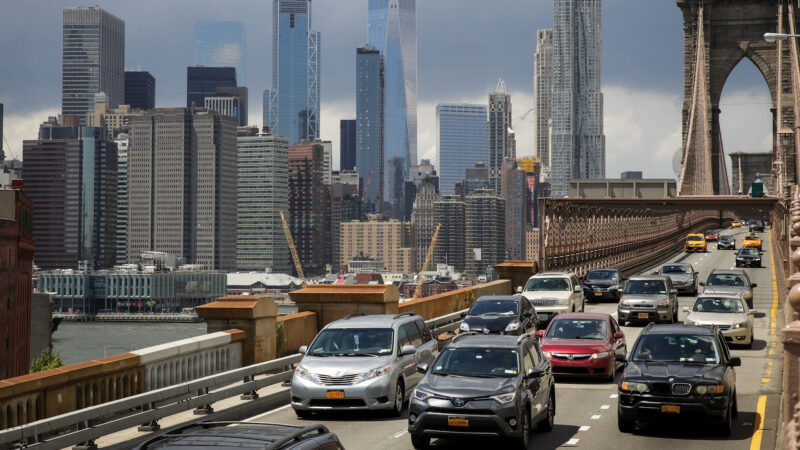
(712, 235)
(583, 344)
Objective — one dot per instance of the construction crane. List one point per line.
(428, 257)
(293, 250)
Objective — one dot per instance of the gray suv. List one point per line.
(362, 362)
(648, 298)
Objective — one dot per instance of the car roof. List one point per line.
(647, 277)
(676, 264)
(553, 274)
(581, 315)
(728, 272)
(498, 297)
(486, 341)
(603, 270)
(678, 329)
(370, 321)
(695, 234)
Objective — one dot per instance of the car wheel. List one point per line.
(749, 345)
(735, 410)
(419, 441)
(302, 413)
(399, 399)
(727, 424)
(624, 425)
(522, 441)
(547, 423)
(613, 371)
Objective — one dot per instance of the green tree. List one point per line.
(46, 361)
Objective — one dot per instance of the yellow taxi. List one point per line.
(752, 240)
(736, 224)
(695, 242)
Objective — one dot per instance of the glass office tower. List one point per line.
(392, 29)
(462, 140)
(220, 44)
(370, 157)
(293, 107)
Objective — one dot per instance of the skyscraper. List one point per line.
(516, 194)
(502, 143)
(306, 205)
(220, 43)
(392, 29)
(370, 150)
(485, 231)
(140, 90)
(93, 59)
(292, 105)
(450, 211)
(423, 216)
(202, 82)
(542, 93)
(241, 93)
(122, 142)
(462, 140)
(347, 144)
(263, 192)
(577, 140)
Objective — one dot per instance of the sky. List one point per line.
(464, 47)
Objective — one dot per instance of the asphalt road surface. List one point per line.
(586, 410)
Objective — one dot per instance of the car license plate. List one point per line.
(643, 315)
(335, 394)
(598, 294)
(541, 317)
(458, 421)
(673, 409)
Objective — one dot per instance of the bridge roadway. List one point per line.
(586, 412)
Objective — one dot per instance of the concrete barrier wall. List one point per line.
(450, 302)
(295, 330)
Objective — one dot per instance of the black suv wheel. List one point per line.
(547, 423)
(624, 425)
(420, 441)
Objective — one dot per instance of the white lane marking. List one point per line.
(613, 396)
(605, 407)
(255, 418)
(400, 434)
(584, 428)
(595, 417)
(572, 442)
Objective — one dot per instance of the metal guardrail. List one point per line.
(445, 324)
(77, 427)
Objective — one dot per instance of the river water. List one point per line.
(83, 341)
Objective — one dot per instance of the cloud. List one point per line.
(19, 127)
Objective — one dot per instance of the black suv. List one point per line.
(245, 435)
(603, 284)
(755, 225)
(484, 386)
(500, 314)
(727, 242)
(678, 371)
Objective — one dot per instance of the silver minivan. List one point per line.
(362, 362)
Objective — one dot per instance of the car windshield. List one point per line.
(352, 342)
(547, 284)
(718, 305)
(676, 269)
(725, 238)
(477, 362)
(676, 348)
(645, 287)
(725, 279)
(711, 232)
(752, 238)
(578, 329)
(494, 307)
(596, 275)
(749, 251)
(695, 238)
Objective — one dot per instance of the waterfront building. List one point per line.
(485, 231)
(515, 192)
(307, 198)
(370, 149)
(140, 90)
(392, 30)
(92, 59)
(542, 93)
(219, 43)
(71, 176)
(291, 107)
(423, 217)
(263, 192)
(389, 241)
(122, 142)
(577, 142)
(17, 244)
(461, 141)
(182, 186)
(347, 144)
(202, 82)
(502, 142)
(450, 249)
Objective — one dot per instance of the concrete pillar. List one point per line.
(335, 301)
(253, 315)
(516, 271)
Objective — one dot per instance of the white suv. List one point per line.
(552, 293)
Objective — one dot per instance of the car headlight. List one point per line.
(563, 301)
(513, 326)
(741, 324)
(599, 355)
(304, 373)
(635, 387)
(739, 258)
(547, 355)
(463, 326)
(623, 303)
(508, 397)
(421, 395)
(375, 373)
(663, 303)
(690, 322)
(709, 389)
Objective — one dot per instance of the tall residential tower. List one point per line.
(502, 143)
(370, 150)
(542, 93)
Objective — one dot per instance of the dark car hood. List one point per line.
(599, 283)
(466, 387)
(495, 324)
(681, 372)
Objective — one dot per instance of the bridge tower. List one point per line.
(718, 34)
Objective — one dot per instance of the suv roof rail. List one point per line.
(522, 337)
(404, 314)
(358, 314)
(462, 334)
(649, 326)
(318, 428)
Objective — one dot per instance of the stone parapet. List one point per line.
(450, 302)
(254, 315)
(334, 301)
(517, 271)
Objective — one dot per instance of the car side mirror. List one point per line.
(407, 349)
(422, 368)
(463, 314)
(577, 289)
(540, 334)
(754, 285)
(618, 335)
(620, 357)
(702, 283)
(535, 372)
(685, 309)
(303, 349)
(519, 289)
(673, 291)
(735, 361)
(655, 272)
(753, 312)
(527, 314)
